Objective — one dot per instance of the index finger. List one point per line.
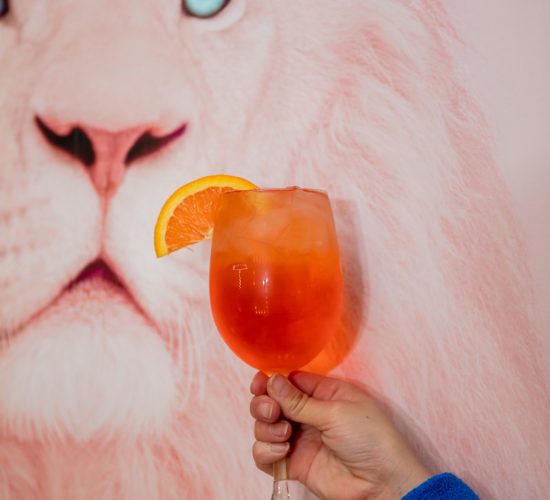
(258, 385)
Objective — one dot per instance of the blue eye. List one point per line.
(203, 8)
(4, 7)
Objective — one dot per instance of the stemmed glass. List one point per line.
(276, 286)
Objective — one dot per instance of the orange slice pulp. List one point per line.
(187, 217)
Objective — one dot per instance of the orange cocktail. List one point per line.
(276, 284)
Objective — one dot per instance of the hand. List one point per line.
(343, 446)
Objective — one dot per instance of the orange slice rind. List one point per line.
(187, 216)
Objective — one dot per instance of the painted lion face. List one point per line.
(113, 382)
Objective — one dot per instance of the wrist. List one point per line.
(405, 478)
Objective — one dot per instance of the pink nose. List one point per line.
(106, 155)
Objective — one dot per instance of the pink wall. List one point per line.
(113, 380)
(506, 62)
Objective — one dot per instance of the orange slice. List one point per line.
(187, 217)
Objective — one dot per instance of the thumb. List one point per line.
(297, 405)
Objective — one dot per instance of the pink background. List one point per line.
(450, 348)
(506, 64)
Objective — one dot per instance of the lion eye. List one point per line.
(203, 8)
(4, 8)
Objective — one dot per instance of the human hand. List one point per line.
(343, 446)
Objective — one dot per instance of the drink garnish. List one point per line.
(187, 216)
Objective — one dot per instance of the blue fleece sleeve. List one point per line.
(444, 486)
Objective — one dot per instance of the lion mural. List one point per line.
(113, 381)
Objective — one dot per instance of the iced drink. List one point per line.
(275, 277)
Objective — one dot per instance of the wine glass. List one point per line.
(276, 285)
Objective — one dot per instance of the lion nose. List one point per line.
(105, 154)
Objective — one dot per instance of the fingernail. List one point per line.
(279, 385)
(266, 410)
(280, 429)
(279, 447)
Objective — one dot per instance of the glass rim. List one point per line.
(279, 189)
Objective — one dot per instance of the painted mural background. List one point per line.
(427, 123)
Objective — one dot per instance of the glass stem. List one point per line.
(280, 481)
(281, 490)
(280, 470)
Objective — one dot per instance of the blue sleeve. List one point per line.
(444, 486)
